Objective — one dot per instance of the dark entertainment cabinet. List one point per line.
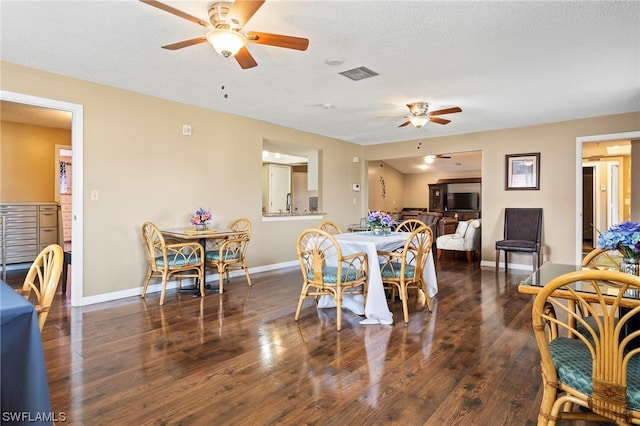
(438, 199)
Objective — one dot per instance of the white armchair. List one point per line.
(466, 238)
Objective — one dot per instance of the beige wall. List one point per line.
(145, 170)
(385, 187)
(27, 167)
(556, 143)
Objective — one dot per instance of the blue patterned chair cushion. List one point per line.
(388, 271)
(573, 364)
(227, 255)
(174, 260)
(330, 274)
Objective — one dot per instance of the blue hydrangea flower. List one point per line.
(624, 237)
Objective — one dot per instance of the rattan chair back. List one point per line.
(589, 363)
(42, 280)
(242, 224)
(602, 259)
(330, 227)
(409, 225)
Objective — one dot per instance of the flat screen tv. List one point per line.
(462, 201)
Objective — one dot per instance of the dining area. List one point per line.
(361, 271)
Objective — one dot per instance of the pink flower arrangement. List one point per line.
(201, 217)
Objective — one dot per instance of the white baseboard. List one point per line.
(154, 288)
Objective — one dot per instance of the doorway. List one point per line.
(77, 141)
(588, 208)
(580, 143)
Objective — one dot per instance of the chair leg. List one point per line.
(338, 296)
(536, 264)
(497, 260)
(165, 278)
(404, 295)
(439, 253)
(426, 295)
(146, 283)
(469, 256)
(221, 284)
(303, 294)
(246, 272)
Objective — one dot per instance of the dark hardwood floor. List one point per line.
(241, 359)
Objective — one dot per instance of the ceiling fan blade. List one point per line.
(439, 120)
(242, 10)
(185, 43)
(245, 59)
(177, 12)
(278, 40)
(446, 111)
(405, 123)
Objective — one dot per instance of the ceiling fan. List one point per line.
(226, 21)
(420, 114)
(429, 159)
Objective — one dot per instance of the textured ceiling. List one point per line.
(506, 64)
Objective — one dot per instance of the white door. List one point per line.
(279, 188)
(613, 195)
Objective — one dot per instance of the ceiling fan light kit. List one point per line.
(420, 114)
(418, 120)
(226, 42)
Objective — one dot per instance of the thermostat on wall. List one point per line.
(355, 187)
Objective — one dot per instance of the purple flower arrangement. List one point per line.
(379, 220)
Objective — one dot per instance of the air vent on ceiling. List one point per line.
(359, 73)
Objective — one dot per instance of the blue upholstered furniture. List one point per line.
(23, 374)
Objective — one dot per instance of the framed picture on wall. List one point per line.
(522, 171)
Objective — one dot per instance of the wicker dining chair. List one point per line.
(168, 259)
(403, 269)
(231, 253)
(602, 259)
(330, 227)
(596, 259)
(42, 280)
(594, 367)
(409, 225)
(327, 272)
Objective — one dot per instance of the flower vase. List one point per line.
(201, 227)
(630, 266)
(386, 230)
(377, 230)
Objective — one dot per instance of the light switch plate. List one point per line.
(355, 187)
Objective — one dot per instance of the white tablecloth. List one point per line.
(376, 309)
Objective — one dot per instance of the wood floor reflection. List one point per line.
(241, 359)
